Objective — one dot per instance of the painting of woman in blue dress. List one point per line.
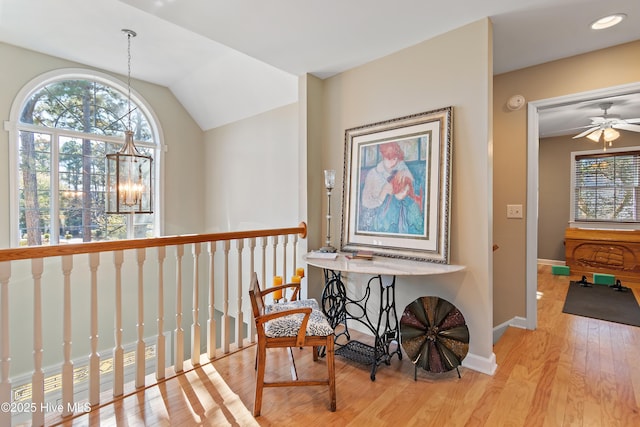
(393, 189)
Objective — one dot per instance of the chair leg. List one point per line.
(331, 366)
(261, 356)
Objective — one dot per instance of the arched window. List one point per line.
(65, 125)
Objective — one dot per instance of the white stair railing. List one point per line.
(138, 286)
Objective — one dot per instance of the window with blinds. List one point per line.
(606, 187)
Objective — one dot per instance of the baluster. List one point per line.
(5, 355)
(94, 357)
(252, 266)
(179, 332)
(211, 322)
(160, 341)
(67, 364)
(37, 379)
(140, 347)
(295, 256)
(225, 299)
(285, 279)
(263, 246)
(239, 316)
(195, 326)
(118, 349)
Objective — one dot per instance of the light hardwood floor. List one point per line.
(570, 371)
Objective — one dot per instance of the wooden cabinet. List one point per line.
(614, 252)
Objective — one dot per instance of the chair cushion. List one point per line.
(292, 304)
(288, 326)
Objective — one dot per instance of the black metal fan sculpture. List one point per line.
(434, 335)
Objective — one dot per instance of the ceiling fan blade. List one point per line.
(586, 132)
(632, 120)
(627, 126)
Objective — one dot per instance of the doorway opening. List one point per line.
(533, 145)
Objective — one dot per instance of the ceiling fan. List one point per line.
(604, 127)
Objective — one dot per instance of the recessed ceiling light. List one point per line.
(608, 21)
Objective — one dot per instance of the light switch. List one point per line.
(514, 211)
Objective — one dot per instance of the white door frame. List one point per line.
(532, 182)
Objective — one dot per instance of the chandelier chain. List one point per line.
(129, 81)
(129, 33)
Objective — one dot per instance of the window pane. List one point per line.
(605, 188)
(82, 192)
(143, 227)
(85, 106)
(33, 188)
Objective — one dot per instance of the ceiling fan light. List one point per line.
(595, 135)
(610, 134)
(607, 21)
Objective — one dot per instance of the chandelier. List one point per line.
(129, 173)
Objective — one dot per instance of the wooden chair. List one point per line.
(295, 327)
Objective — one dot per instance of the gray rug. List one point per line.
(602, 302)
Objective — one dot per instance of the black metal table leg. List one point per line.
(334, 300)
(339, 308)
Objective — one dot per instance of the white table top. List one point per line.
(381, 265)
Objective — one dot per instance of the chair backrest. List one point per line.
(255, 294)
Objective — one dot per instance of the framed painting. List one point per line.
(397, 181)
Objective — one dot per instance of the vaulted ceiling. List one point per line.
(226, 60)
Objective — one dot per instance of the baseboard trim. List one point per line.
(550, 261)
(519, 322)
(485, 365)
(516, 322)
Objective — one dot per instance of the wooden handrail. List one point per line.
(118, 245)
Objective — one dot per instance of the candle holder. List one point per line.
(329, 183)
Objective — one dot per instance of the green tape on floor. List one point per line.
(604, 279)
(560, 270)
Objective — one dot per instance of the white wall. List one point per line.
(450, 70)
(251, 173)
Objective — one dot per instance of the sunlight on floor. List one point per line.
(539, 295)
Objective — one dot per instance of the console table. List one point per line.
(339, 307)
